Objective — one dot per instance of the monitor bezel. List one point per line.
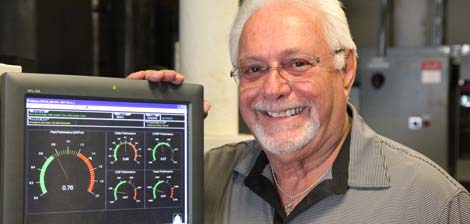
(15, 87)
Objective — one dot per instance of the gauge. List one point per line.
(125, 150)
(73, 161)
(125, 189)
(163, 150)
(163, 189)
(63, 171)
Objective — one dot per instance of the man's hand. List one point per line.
(165, 76)
(158, 76)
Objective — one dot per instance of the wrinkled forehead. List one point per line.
(281, 26)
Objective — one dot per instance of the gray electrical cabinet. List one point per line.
(405, 96)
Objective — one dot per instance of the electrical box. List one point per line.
(405, 96)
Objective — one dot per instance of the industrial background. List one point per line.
(413, 80)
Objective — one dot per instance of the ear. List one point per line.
(349, 71)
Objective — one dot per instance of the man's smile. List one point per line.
(285, 113)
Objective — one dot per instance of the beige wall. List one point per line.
(204, 59)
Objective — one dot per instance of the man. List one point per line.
(314, 159)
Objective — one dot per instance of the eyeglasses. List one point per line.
(253, 73)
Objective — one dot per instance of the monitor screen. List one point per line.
(99, 159)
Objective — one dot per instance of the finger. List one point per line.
(179, 79)
(168, 75)
(154, 76)
(172, 76)
(207, 107)
(137, 75)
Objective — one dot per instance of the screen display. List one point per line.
(105, 161)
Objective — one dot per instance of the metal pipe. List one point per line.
(383, 28)
(437, 23)
(129, 37)
(95, 21)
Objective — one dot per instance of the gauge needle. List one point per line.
(61, 166)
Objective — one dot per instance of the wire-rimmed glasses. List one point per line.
(254, 72)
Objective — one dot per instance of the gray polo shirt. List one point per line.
(376, 181)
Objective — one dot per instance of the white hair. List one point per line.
(335, 26)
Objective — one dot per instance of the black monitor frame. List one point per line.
(16, 86)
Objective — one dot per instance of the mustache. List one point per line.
(280, 105)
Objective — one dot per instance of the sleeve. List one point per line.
(457, 210)
(218, 166)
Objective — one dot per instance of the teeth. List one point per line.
(287, 113)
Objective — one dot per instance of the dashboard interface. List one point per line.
(105, 161)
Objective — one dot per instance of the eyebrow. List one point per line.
(284, 53)
(295, 51)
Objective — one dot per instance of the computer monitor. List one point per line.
(80, 149)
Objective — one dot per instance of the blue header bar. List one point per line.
(103, 103)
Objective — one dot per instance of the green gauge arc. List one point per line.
(125, 143)
(134, 193)
(171, 192)
(154, 150)
(42, 175)
(154, 191)
(50, 159)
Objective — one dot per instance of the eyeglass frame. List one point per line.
(314, 61)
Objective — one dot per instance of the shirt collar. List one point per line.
(261, 183)
(247, 159)
(367, 166)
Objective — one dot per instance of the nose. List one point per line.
(275, 85)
